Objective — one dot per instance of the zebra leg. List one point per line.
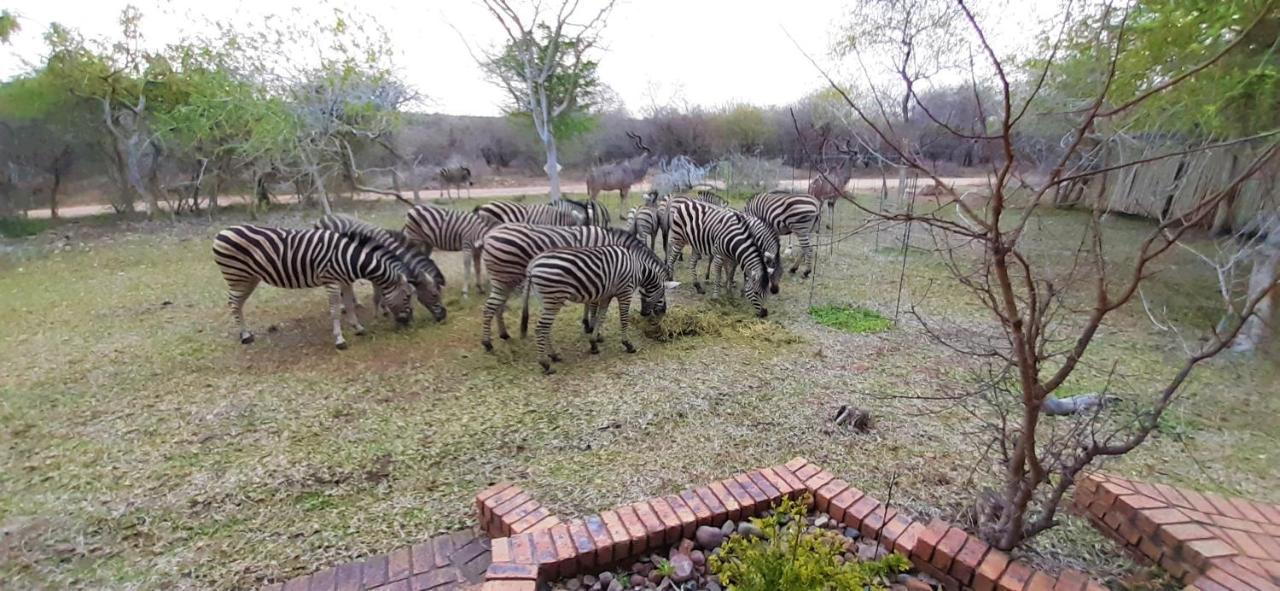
(236, 299)
(476, 255)
(806, 252)
(589, 311)
(494, 304)
(622, 201)
(335, 312)
(502, 313)
(597, 319)
(466, 270)
(717, 264)
(831, 212)
(546, 350)
(624, 320)
(348, 293)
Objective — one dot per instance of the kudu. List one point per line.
(619, 176)
(456, 177)
(829, 185)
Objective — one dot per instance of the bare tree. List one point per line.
(1047, 316)
(546, 69)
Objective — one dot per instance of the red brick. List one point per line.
(1249, 510)
(1071, 580)
(744, 500)
(770, 491)
(947, 548)
(894, 530)
(673, 527)
(1271, 511)
(698, 506)
(874, 520)
(990, 571)
(526, 522)
(375, 571)
(1172, 495)
(709, 498)
(422, 557)
(1201, 551)
(1235, 569)
(600, 538)
(859, 511)
(400, 585)
(510, 586)
(796, 464)
(966, 562)
(788, 475)
(782, 484)
(566, 551)
(688, 519)
(817, 480)
(805, 473)
(840, 504)
(1226, 579)
(929, 538)
(348, 577)
(1149, 521)
(906, 543)
(637, 534)
(1224, 506)
(1198, 501)
(1015, 577)
(399, 565)
(500, 550)
(1240, 524)
(322, 580)
(1149, 549)
(1138, 502)
(546, 523)
(654, 528)
(731, 505)
(822, 496)
(522, 548)
(1040, 582)
(1129, 532)
(506, 571)
(508, 517)
(584, 548)
(1172, 565)
(760, 499)
(442, 547)
(1246, 544)
(489, 492)
(544, 549)
(1087, 483)
(501, 510)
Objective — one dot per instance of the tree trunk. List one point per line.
(53, 193)
(553, 165)
(1262, 280)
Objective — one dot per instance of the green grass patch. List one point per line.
(850, 318)
(22, 227)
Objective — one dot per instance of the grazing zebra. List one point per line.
(595, 213)
(295, 259)
(456, 177)
(424, 275)
(506, 212)
(790, 213)
(429, 227)
(726, 236)
(594, 277)
(508, 249)
(767, 239)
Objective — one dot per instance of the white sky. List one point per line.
(705, 52)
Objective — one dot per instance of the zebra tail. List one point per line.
(524, 312)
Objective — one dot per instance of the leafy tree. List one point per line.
(8, 25)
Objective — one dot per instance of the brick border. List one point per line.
(442, 563)
(1208, 541)
(547, 550)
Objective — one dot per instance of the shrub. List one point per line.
(16, 227)
(850, 318)
(790, 558)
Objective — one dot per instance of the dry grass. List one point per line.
(144, 448)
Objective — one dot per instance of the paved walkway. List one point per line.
(448, 562)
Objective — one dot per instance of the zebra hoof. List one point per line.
(595, 348)
(546, 368)
(628, 346)
(555, 358)
(488, 346)
(341, 345)
(698, 287)
(806, 274)
(586, 327)
(246, 338)
(359, 331)
(793, 270)
(504, 336)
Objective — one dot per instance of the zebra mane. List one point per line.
(392, 245)
(637, 247)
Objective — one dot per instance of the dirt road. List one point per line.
(76, 211)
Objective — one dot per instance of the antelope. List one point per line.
(456, 177)
(620, 176)
(830, 183)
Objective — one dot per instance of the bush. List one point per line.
(850, 318)
(22, 227)
(790, 558)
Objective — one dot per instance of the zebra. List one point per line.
(645, 222)
(595, 276)
(248, 255)
(456, 177)
(709, 196)
(595, 212)
(506, 212)
(725, 235)
(508, 249)
(424, 275)
(790, 213)
(429, 227)
(767, 239)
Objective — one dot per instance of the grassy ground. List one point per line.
(142, 447)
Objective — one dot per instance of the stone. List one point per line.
(686, 546)
(589, 580)
(712, 586)
(917, 585)
(729, 527)
(867, 552)
(682, 568)
(615, 585)
(642, 568)
(822, 520)
(698, 558)
(709, 538)
(655, 577)
(606, 577)
(637, 580)
(747, 529)
(852, 533)
(573, 584)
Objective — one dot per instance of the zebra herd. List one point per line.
(562, 253)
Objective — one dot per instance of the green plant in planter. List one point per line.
(665, 568)
(789, 558)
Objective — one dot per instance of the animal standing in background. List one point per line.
(594, 277)
(509, 248)
(723, 234)
(429, 227)
(506, 212)
(790, 213)
(829, 185)
(620, 176)
(424, 275)
(296, 259)
(456, 178)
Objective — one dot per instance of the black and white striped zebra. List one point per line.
(709, 196)
(507, 212)
(295, 259)
(429, 227)
(767, 239)
(508, 249)
(595, 276)
(594, 212)
(790, 213)
(645, 223)
(424, 275)
(725, 235)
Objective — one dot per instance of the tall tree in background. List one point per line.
(8, 25)
(544, 66)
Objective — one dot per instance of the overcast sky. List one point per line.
(705, 52)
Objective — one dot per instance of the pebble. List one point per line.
(917, 585)
(822, 520)
(729, 527)
(682, 568)
(615, 585)
(749, 530)
(606, 577)
(573, 584)
(709, 538)
(686, 546)
(698, 558)
(589, 580)
(852, 533)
